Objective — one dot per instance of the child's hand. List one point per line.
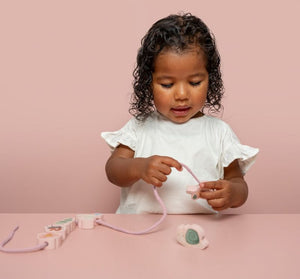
(154, 169)
(223, 194)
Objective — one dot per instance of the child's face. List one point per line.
(180, 83)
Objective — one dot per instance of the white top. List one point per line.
(205, 144)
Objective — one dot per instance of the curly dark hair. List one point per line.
(178, 32)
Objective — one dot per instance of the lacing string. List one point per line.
(102, 222)
(24, 250)
(191, 173)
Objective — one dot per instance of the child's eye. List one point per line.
(195, 83)
(169, 85)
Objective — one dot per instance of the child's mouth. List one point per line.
(180, 111)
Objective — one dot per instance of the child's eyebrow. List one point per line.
(170, 77)
(198, 75)
(163, 77)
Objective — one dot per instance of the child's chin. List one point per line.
(179, 120)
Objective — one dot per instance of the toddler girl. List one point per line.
(176, 79)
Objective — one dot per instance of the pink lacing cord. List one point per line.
(101, 222)
(98, 221)
(191, 173)
(24, 250)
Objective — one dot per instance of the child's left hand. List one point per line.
(223, 194)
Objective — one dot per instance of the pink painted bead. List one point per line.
(194, 191)
(86, 221)
(54, 240)
(60, 229)
(69, 223)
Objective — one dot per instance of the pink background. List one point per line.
(65, 76)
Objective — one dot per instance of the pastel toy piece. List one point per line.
(191, 236)
(86, 221)
(98, 215)
(194, 191)
(72, 221)
(69, 223)
(60, 229)
(54, 240)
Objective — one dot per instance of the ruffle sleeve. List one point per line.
(126, 136)
(233, 149)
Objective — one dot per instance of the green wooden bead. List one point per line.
(192, 237)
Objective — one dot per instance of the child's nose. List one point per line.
(181, 92)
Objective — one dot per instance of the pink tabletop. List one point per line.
(241, 246)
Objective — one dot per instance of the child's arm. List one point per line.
(232, 191)
(123, 169)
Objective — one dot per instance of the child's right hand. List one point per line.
(154, 169)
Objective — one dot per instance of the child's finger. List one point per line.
(218, 204)
(212, 185)
(211, 195)
(156, 182)
(220, 208)
(172, 163)
(164, 169)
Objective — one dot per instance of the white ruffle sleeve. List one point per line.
(126, 136)
(233, 149)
